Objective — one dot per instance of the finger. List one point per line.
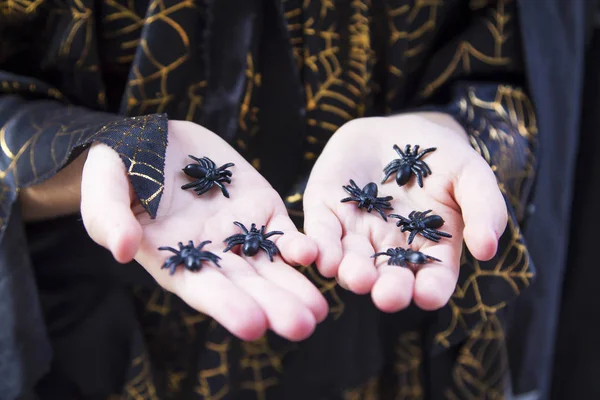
(212, 293)
(106, 204)
(435, 281)
(483, 208)
(324, 228)
(293, 282)
(357, 270)
(287, 315)
(393, 289)
(296, 248)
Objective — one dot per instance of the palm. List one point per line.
(354, 235)
(247, 294)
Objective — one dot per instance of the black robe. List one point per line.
(275, 79)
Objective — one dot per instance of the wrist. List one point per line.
(55, 197)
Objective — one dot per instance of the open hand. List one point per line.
(461, 189)
(247, 295)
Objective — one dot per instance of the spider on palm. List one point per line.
(207, 175)
(423, 224)
(367, 198)
(253, 240)
(408, 164)
(191, 257)
(400, 256)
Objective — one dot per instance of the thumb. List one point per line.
(106, 204)
(483, 207)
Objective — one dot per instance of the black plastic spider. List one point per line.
(253, 240)
(191, 257)
(207, 175)
(419, 222)
(408, 163)
(367, 198)
(400, 256)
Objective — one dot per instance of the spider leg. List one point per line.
(194, 183)
(195, 159)
(380, 211)
(208, 163)
(172, 268)
(171, 264)
(432, 258)
(347, 199)
(380, 254)
(268, 235)
(233, 241)
(223, 188)
(168, 248)
(440, 233)
(415, 149)
(401, 261)
(419, 177)
(424, 213)
(205, 188)
(407, 149)
(423, 167)
(387, 173)
(224, 179)
(400, 153)
(222, 168)
(201, 245)
(211, 257)
(239, 224)
(270, 248)
(411, 237)
(423, 152)
(430, 236)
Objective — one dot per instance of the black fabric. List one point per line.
(276, 79)
(554, 44)
(576, 362)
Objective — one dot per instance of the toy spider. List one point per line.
(191, 257)
(207, 175)
(419, 222)
(400, 256)
(409, 163)
(367, 198)
(253, 240)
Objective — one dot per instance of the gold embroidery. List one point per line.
(141, 387)
(205, 376)
(409, 358)
(482, 364)
(466, 51)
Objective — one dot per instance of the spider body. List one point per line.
(207, 175)
(423, 224)
(189, 256)
(367, 198)
(253, 240)
(408, 164)
(401, 257)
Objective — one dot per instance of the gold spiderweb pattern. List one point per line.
(482, 365)
(153, 85)
(489, 44)
(412, 28)
(504, 132)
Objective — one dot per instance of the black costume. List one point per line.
(273, 78)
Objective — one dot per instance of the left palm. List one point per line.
(462, 189)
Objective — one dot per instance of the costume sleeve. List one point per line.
(478, 77)
(40, 133)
